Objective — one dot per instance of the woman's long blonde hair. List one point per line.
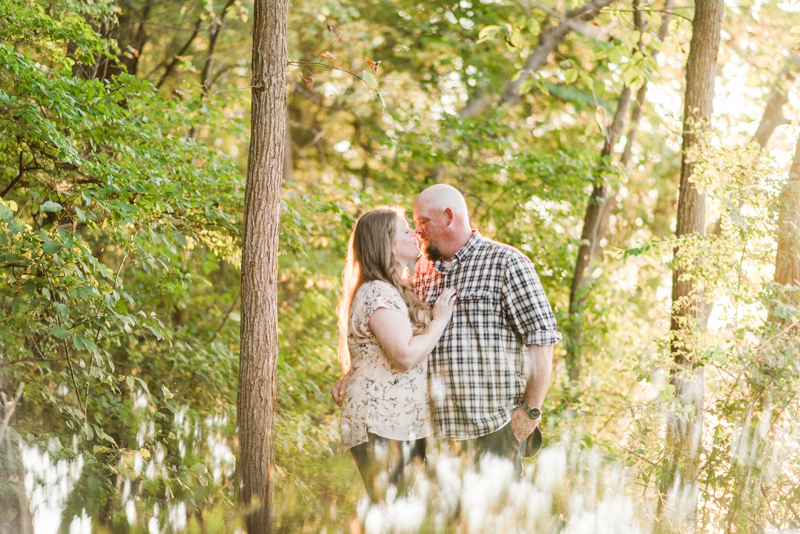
(369, 258)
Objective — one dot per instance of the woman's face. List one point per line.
(405, 247)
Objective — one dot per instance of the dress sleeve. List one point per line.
(526, 305)
(373, 296)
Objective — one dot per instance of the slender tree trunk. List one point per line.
(772, 118)
(259, 330)
(598, 209)
(14, 506)
(745, 498)
(214, 34)
(683, 433)
(133, 39)
(15, 512)
(787, 261)
(773, 113)
(206, 76)
(600, 205)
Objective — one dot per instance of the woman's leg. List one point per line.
(381, 462)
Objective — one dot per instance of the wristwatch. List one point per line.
(533, 413)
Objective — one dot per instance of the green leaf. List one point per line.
(59, 332)
(534, 27)
(80, 213)
(6, 214)
(489, 32)
(179, 237)
(16, 227)
(516, 38)
(51, 247)
(82, 342)
(199, 468)
(542, 87)
(51, 206)
(586, 79)
(570, 75)
(526, 85)
(369, 79)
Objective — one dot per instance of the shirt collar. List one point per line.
(462, 254)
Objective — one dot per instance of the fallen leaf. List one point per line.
(328, 55)
(373, 64)
(308, 79)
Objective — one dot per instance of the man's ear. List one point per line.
(448, 215)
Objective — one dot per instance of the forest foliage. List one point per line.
(123, 134)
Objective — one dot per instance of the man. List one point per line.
(489, 373)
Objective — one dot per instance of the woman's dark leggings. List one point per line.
(381, 455)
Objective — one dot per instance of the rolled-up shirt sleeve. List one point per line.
(526, 304)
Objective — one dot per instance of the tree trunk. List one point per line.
(787, 261)
(14, 506)
(135, 40)
(600, 205)
(773, 113)
(598, 209)
(746, 498)
(259, 328)
(15, 512)
(683, 434)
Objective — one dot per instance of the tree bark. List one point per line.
(259, 328)
(598, 209)
(600, 205)
(683, 434)
(745, 497)
(787, 261)
(14, 506)
(136, 40)
(773, 113)
(549, 41)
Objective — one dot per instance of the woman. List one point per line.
(385, 336)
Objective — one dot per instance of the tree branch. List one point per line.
(216, 31)
(549, 42)
(225, 318)
(20, 174)
(184, 48)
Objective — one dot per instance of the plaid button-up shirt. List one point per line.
(477, 371)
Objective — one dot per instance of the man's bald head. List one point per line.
(442, 221)
(441, 197)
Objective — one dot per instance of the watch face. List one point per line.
(533, 413)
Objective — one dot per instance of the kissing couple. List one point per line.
(462, 350)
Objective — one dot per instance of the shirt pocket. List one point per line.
(478, 309)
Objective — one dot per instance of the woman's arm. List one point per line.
(394, 333)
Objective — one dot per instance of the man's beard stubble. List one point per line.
(432, 253)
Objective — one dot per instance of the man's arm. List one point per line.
(541, 369)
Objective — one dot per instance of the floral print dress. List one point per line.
(381, 398)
